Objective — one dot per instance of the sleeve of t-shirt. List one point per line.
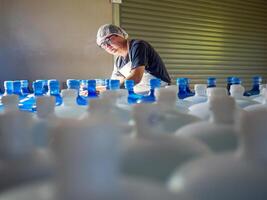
(139, 55)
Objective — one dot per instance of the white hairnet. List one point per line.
(109, 29)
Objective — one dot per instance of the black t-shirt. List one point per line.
(143, 54)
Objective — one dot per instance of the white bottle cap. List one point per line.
(69, 97)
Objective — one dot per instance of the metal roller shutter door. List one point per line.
(202, 38)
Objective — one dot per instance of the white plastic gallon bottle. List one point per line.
(161, 118)
(219, 132)
(202, 110)
(232, 176)
(180, 103)
(154, 155)
(263, 105)
(237, 91)
(260, 98)
(69, 108)
(44, 121)
(200, 94)
(20, 162)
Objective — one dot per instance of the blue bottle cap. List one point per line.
(211, 81)
(129, 84)
(73, 83)
(114, 84)
(24, 83)
(229, 79)
(16, 87)
(38, 86)
(236, 80)
(154, 83)
(180, 81)
(257, 79)
(53, 86)
(91, 83)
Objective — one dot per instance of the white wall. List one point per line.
(43, 39)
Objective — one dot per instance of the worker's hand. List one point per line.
(101, 88)
(83, 93)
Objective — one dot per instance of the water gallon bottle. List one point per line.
(260, 97)
(152, 155)
(83, 87)
(17, 89)
(150, 98)
(211, 82)
(44, 121)
(189, 92)
(29, 103)
(54, 90)
(25, 87)
(91, 88)
(94, 174)
(182, 93)
(75, 84)
(132, 96)
(163, 117)
(255, 90)
(69, 108)
(19, 161)
(200, 94)
(122, 95)
(184, 90)
(229, 83)
(202, 110)
(237, 92)
(109, 102)
(232, 176)
(261, 106)
(218, 133)
(8, 85)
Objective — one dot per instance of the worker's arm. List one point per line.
(135, 75)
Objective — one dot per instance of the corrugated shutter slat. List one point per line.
(203, 38)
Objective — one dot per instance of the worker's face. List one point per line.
(114, 45)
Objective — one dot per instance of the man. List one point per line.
(136, 59)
